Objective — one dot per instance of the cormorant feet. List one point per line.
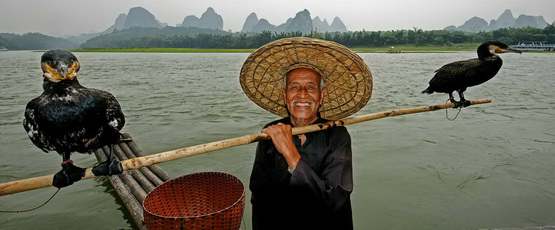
(69, 174)
(465, 103)
(458, 104)
(108, 168)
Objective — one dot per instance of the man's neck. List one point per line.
(302, 122)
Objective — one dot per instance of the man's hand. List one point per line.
(282, 138)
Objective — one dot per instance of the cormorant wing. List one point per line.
(459, 68)
(31, 127)
(114, 115)
(454, 72)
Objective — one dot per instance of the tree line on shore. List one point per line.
(170, 37)
(351, 39)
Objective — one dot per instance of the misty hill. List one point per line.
(208, 20)
(135, 17)
(146, 37)
(33, 41)
(138, 17)
(337, 25)
(302, 22)
(505, 20)
(250, 22)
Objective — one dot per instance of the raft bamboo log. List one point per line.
(134, 149)
(136, 174)
(153, 178)
(138, 192)
(128, 199)
(135, 163)
(131, 194)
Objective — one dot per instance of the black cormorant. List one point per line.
(68, 117)
(457, 76)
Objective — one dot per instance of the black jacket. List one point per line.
(316, 195)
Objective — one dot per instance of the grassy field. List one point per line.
(418, 49)
(162, 50)
(389, 49)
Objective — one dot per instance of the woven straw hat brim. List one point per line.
(347, 79)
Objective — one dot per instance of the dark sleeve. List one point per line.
(266, 172)
(335, 184)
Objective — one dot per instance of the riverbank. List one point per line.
(161, 50)
(384, 49)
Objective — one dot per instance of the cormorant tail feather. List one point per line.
(428, 90)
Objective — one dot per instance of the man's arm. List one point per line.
(282, 139)
(334, 185)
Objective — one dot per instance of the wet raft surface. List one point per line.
(132, 186)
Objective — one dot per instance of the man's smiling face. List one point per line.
(303, 95)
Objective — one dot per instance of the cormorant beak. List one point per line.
(507, 50)
(61, 72)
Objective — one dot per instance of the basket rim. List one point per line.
(197, 216)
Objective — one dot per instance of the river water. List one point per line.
(493, 167)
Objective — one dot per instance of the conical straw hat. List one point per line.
(347, 79)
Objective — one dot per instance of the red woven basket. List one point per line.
(207, 200)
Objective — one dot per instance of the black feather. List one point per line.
(463, 74)
(68, 117)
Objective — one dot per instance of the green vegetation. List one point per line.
(33, 41)
(394, 49)
(163, 50)
(418, 48)
(415, 40)
(195, 40)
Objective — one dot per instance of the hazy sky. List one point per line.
(70, 17)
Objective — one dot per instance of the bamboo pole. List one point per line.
(135, 163)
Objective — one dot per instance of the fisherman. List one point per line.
(304, 181)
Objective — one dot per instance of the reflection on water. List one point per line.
(492, 167)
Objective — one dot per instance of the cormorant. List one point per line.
(68, 117)
(457, 76)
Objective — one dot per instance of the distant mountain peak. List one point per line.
(140, 17)
(338, 25)
(301, 22)
(505, 20)
(208, 20)
(250, 23)
(507, 13)
(209, 11)
(304, 12)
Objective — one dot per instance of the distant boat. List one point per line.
(3, 49)
(534, 46)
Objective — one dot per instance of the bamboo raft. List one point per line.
(132, 186)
